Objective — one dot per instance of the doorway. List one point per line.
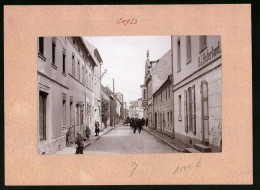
(42, 115)
(205, 112)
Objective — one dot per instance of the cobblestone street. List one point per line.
(123, 140)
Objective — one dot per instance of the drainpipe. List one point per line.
(172, 89)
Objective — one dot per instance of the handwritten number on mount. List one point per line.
(127, 21)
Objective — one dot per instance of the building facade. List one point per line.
(66, 68)
(163, 108)
(197, 90)
(136, 109)
(157, 73)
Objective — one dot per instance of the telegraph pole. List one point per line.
(114, 106)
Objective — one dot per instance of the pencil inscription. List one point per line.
(185, 168)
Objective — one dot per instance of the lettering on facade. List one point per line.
(127, 21)
(206, 57)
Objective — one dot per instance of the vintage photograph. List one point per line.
(129, 94)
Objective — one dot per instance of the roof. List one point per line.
(93, 51)
(169, 78)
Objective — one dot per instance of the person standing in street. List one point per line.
(80, 143)
(146, 122)
(141, 124)
(88, 132)
(97, 130)
(69, 137)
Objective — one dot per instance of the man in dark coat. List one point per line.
(141, 124)
(134, 124)
(146, 122)
(80, 143)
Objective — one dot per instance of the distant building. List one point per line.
(136, 109)
(66, 89)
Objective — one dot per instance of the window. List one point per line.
(71, 110)
(171, 119)
(180, 115)
(77, 114)
(41, 45)
(83, 76)
(64, 61)
(161, 96)
(64, 110)
(178, 55)
(144, 94)
(78, 74)
(190, 124)
(42, 115)
(53, 51)
(169, 91)
(86, 82)
(203, 42)
(74, 42)
(166, 93)
(168, 119)
(188, 49)
(73, 65)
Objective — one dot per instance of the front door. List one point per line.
(205, 112)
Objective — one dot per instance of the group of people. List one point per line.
(79, 141)
(136, 123)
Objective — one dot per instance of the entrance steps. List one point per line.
(191, 150)
(202, 148)
(198, 148)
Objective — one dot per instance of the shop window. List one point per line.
(168, 119)
(42, 115)
(191, 109)
(73, 65)
(64, 61)
(188, 49)
(71, 110)
(64, 110)
(166, 93)
(78, 70)
(83, 76)
(171, 118)
(186, 111)
(180, 115)
(178, 55)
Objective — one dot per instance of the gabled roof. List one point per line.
(93, 51)
(169, 79)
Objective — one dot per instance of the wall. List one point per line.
(164, 106)
(55, 82)
(193, 74)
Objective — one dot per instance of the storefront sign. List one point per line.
(144, 103)
(206, 57)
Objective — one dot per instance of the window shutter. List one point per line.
(185, 112)
(193, 110)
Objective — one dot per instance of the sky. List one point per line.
(124, 59)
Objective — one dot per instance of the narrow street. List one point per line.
(123, 140)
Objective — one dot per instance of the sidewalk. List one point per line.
(175, 144)
(92, 139)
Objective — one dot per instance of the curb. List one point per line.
(174, 147)
(85, 146)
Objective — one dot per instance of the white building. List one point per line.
(197, 91)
